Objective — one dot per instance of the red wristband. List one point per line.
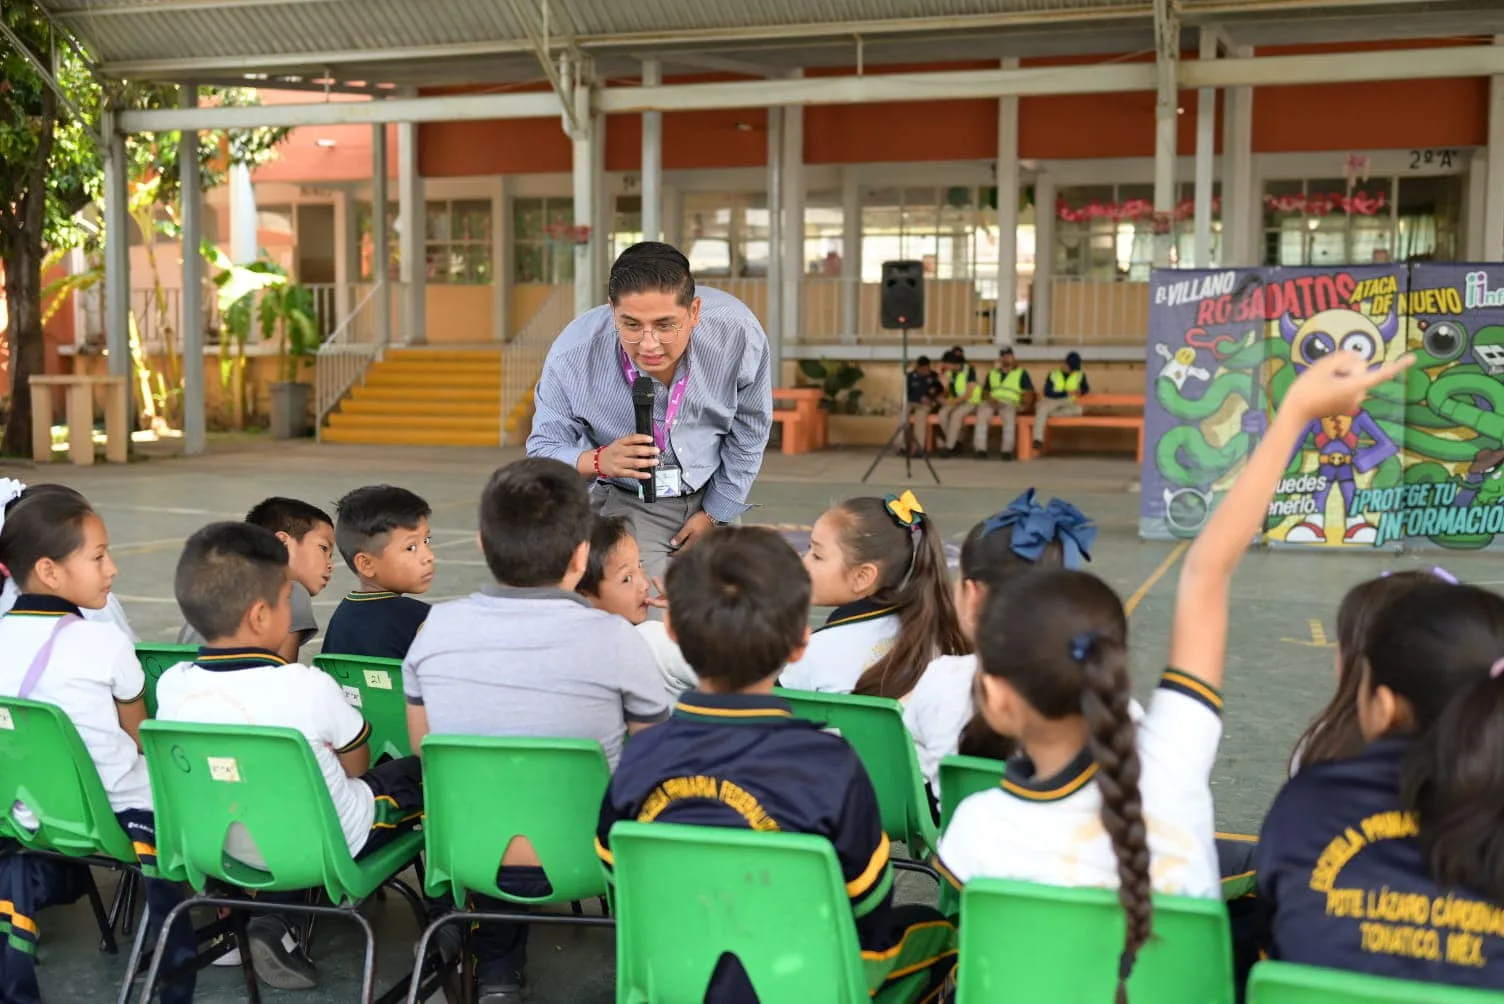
(596, 460)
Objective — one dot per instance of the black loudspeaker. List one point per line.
(903, 294)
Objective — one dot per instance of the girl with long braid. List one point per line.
(1095, 800)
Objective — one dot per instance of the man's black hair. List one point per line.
(651, 267)
(224, 569)
(922, 361)
(367, 516)
(534, 513)
(605, 533)
(1006, 350)
(739, 604)
(293, 517)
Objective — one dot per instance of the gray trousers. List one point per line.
(653, 524)
(1046, 407)
(1009, 414)
(953, 421)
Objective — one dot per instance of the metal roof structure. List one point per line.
(417, 43)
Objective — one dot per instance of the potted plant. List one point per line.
(838, 380)
(286, 312)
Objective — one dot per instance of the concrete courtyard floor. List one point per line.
(1279, 670)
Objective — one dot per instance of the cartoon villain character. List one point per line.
(1339, 438)
(1178, 367)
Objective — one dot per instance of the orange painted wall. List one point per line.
(1378, 115)
(301, 159)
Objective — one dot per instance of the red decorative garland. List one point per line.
(1356, 204)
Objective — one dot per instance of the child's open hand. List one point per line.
(1337, 385)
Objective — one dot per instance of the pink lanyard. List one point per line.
(675, 399)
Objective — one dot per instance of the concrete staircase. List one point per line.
(424, 397)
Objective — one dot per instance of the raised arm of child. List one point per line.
(1336, 385)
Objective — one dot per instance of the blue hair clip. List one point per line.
(1034, 526)
(1081, 645)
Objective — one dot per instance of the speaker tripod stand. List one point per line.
(904, 431)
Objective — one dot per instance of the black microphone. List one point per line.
(642, 408)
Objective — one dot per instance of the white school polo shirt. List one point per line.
(1048, 830)
(853, 637)
(938, 709)
(111, 613)
(250, 686)
(678, 674)
(92, 668)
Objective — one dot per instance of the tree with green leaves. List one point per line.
(51, 169)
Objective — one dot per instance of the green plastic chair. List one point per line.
(1287, 983)
(156, 660)
(45, 766)
(874, 728)
(686, 895)
(962, 776)
(551, 794)
(1027, 942)
(374, 687)
(206, 778)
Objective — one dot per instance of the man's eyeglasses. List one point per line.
(633, 332)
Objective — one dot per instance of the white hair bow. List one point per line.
(10, 488)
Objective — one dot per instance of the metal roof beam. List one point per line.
(1407, 64)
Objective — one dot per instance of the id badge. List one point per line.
(668, 482)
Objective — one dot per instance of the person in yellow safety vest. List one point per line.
(963, 393)
(1008, 390)
(1061, 389)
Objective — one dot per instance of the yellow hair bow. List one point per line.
(905, 508)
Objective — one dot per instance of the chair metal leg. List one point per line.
(133, 963)
(161, 947)
(117, 902)
(907, 865)
(101, 915)
(247, 966)
(368, 969)
(577, 908)
(135, 885)
(429, 930)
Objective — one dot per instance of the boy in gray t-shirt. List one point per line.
(529, 657)
(308, 534)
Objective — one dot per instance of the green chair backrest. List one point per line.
(374, 687)
(686, 895)
(45, 766)
(1287, 983)
(156, 660)
(1027, 942)
(961, 776)
(206, 778)
(481, 792)
(874, 728)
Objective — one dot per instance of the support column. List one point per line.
(585, 293)
(793, 220)
(411, 229)
(1167, 68)
(604, 209)
(346, 244)
(243, 222)
(381, 302)
(117, 264)
(851, 254)
(1493, 189)
(1206, 141)
(1004, 314)
(652, 159)
(1044, 256)
(1240, 204)
(193, 283)
(776, 249)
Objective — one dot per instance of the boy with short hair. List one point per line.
(738, 605)
(233, 585)
(529, 657)
(383, 535)
(307, 532)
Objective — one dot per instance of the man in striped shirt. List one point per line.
(708, 359)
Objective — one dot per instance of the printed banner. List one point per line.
(1420, 463)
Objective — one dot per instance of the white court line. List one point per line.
(131, 545)
(169, 510)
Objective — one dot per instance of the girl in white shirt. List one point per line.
(881, 564)
(940, 713)
(614, 581)
(1097, 800)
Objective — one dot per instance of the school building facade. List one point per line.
(1038, 214)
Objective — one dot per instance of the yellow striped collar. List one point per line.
(855, 613)
(37, 605)
(1020, 781)
(732, 708)
(225, 660)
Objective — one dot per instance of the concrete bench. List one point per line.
(793, 425)
(804, 425)
(80, 414)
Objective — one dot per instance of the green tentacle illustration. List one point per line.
(1203, 463)
(1451, 396)
(1208, 404)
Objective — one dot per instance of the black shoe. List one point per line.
(278, 959)
(503, 989)
(981, 454)
(1007, 456)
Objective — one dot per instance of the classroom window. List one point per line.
(1335, 221)
(952, 229)
(726, 234)
(1106, 232)
(542, 251)
(626, 224)
(366, 244)
(457, 242)
(824, 235)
